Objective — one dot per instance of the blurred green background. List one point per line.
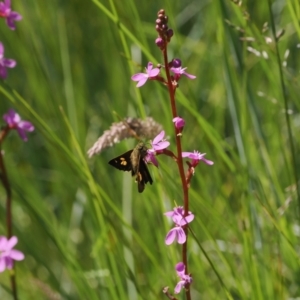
(85, 230)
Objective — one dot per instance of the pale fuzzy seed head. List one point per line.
(128, 128)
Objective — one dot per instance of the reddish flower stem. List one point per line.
(184, 184)
(6, 185)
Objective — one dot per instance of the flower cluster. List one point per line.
(154, 73)
(10, 17)
(164, 32)
(184, 278)
(179, 220)
(7, 253)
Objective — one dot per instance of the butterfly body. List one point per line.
(133, 160)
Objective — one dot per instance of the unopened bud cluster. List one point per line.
(165, 33)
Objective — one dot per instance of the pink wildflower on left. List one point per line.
(7, 253)
(9, 15)
(143, 77)
(5, 63)
(14, 121)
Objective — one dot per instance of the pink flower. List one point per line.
(177, 215)
(150, 157)
(14, 121)
(143, 77)
(7, 253)
(5, 62)
(158, 144)
(181, 71)
(9, 15)
(184, 278)
(196, 156)
(177, 232)
(179, 122)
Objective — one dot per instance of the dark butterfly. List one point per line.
(133, 160)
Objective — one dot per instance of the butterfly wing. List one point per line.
(122, 162)
(143, 176)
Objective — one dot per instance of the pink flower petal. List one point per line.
(180, 268)
(190, 76)
(3, 242)
(12, 242)
(16, 16)
(171, 235)
(154, 72)
(26, 126)
(179, 122)
(16, 255)
(162, 145)
(169, 213)
(179, 286)
(151, 157)
(9, 63)
(159, 137)
(9, 262)
(208, 162)
(188, 219)
(138, 76)
(181, 237)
